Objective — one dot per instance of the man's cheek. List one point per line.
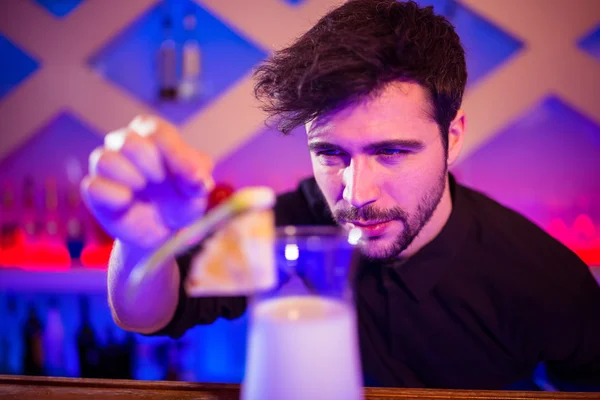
(331, 187)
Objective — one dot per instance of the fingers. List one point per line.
(192, 168)
(103, 194)
(140, 151)
(117, 168)
(148, 151)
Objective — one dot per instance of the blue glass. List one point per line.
(320, 257)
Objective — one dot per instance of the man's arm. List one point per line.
(191, 311)
(149, 312)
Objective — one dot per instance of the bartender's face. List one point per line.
(382, 166)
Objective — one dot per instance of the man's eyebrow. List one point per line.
(320, 146)
(409, 144)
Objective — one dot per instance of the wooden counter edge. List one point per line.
(13, 386)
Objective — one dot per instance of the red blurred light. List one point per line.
(221, 192)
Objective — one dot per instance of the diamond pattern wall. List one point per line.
(591, 43)
(15, 66)
(287, 155)
(58, 150)
(486, 45)
(542, 163)
(59, 8)
(130, 59)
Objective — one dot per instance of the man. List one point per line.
(455, 289)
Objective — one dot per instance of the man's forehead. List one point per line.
(399, 103)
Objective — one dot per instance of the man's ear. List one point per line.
(456, 133)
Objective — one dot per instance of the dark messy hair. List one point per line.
(353, 52)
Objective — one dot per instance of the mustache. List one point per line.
(369, 213)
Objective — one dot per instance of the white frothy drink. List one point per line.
(300, 348)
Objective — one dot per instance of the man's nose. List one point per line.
(360, 183)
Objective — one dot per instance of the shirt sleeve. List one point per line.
(192, 311)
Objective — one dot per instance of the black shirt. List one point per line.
(480, 306)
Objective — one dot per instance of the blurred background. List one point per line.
(73, 70)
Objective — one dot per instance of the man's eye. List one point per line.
(391, 152)
(330, 153)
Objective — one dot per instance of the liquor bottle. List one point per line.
(126, 356)
(30, 222)
(11, 253)
(33, 357)
(147, 367)
(173, 363)
(117, 356)
(52, 251)
(87, 344)
(167, 63)
(52, 228)
(187, 360)
(54, 341)
(191, 60)
(98, 245)
(75, 235)
(10, 334)
(4, 341)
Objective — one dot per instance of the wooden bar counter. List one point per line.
(24, 387)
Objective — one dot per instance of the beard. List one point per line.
(412, 223)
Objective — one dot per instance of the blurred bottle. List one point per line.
(4, 338)
(192, 58)
(187, 359)
(127, 354)
(10, 334)
(30, 220)
(116, 356)
(584, 231)
(173, 363)
(54, 341)
(33, 357)
(147, 367)
(87, 344)
(75, 235)
(52, 227)
(98, 245)
(11, 252)
(167, 62)
(14, 331)
(51, 250)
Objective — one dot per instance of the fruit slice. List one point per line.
(237, 260)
